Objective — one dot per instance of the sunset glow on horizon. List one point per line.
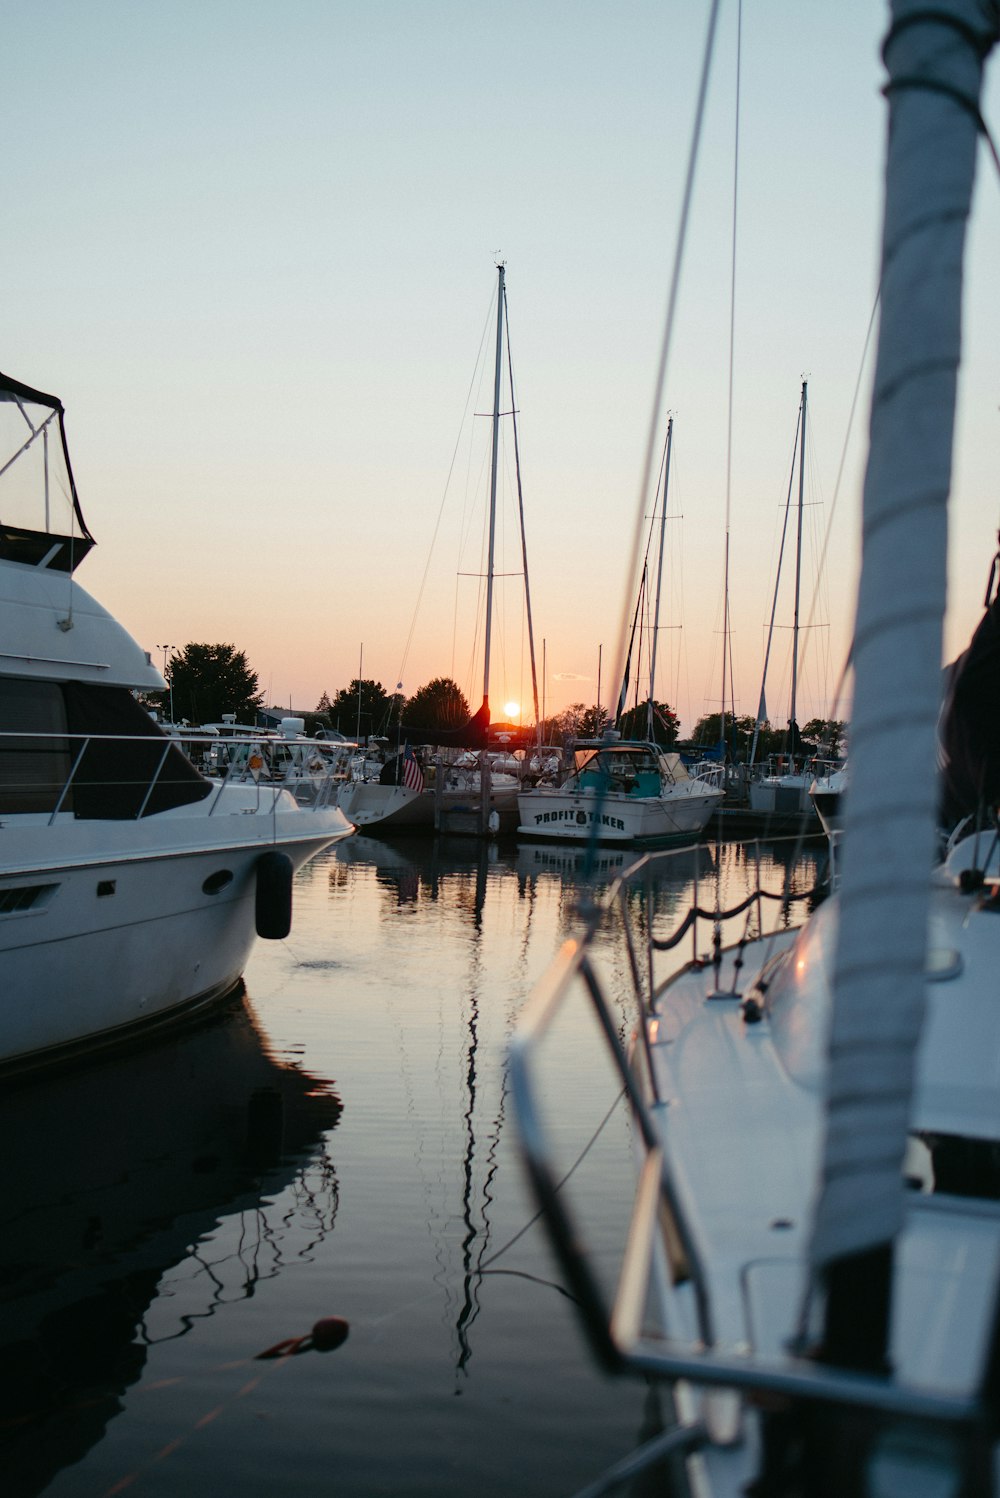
(277, 281)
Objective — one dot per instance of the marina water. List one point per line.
(337, 1148)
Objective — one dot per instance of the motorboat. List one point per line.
(132, 885)
(285, 754)
(620, 791)
(812, 1265)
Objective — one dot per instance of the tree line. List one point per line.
(205, 682)
(825, 737)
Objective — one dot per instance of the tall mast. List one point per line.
(762, 704)
(361, 667)
(659, 581)
(524, 539)
(725, 639)
(798, 574)
(493, 487)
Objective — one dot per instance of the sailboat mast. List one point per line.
(493, 487)
(524, 539)
(725, 639)
(659, 581)
(361, 667)
(798, 575)
(762, 704)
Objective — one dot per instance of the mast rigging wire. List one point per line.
(668, 330)
(444, 495)
(726, 623)
(590, 857)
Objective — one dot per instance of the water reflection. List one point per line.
(457, 872)
(110, 1175)
(141, 1198)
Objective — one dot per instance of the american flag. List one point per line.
(413, 775)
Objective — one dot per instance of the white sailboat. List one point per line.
(624, 790)
(814, 1260)
(403, 798)
(783, 790)
(131, 885)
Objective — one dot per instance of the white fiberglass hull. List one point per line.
(782, 795)
(569, 816)
(109, 927)
(741, 1106)
(368, 805)
(827, 796)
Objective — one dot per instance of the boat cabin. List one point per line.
(628, 768)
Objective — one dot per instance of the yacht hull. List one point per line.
(123, 928)
(570, 816)
(782, 796)
(368, 804)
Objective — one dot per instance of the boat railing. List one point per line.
(708, 772)
(127, 776)
(659, 1240)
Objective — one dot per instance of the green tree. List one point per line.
(739, 734)
(361, 708)
(324, 705)
(439, 704)
(206, 681)
(827, 734)
(575, 722)
(593, 722)
(635, 723)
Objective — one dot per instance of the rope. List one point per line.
(971, 37)
(697, 912)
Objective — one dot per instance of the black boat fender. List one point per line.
(274, 895)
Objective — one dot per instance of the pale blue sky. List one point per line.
(252, 248)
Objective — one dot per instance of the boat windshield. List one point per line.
(616, 767)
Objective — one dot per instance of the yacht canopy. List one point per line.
(41, 522)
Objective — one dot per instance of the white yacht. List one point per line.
(131, 885)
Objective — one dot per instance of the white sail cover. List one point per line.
(934, 55)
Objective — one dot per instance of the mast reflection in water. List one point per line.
(170, 1215)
